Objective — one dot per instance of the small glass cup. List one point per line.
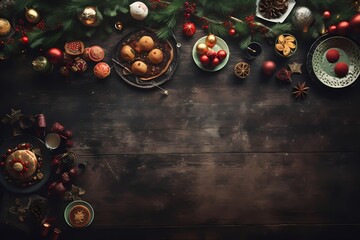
(253, 50)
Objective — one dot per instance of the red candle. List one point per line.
(45, 229)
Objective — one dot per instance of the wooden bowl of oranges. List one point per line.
(285, 45)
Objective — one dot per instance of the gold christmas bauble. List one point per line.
(210, 40)
(201, 48)
(89, 16)
(32, 16)
(5, 27)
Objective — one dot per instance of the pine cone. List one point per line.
(273, 8)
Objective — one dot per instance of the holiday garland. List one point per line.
(60, 22)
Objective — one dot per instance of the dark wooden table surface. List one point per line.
(219, 158)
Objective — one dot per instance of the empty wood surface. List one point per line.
(219, 158)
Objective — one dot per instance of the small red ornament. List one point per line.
(189, 29)
(24, 40)
(68, 134)
(341, 69)
(73, 171)
(326, 15)
(332, 55)
(55, 55)
(211, 53)
(343, 27)
(355, 23)
(69, 143)
(284, 75)
(215, 62)
(332, 29)
(269, 67)
(205, 60)
(221, 54)
(232, 32)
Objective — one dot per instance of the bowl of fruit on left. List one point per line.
(220, 45)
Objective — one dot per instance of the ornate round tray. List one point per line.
(123, 69)
(220, 44)
(322, 70)
(45, 166)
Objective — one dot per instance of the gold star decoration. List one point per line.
(13, 117)
(295, 67)
(300, 90)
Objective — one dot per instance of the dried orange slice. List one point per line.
(242, 69)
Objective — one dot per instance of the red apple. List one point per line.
(215, 62)
(205, 60)
(211, 53)
(221, 54)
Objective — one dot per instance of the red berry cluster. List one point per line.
(205, 24)
(230, 26)
(253, 27)
(41, 25)
(189, 8)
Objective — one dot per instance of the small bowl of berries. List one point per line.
(211, 53)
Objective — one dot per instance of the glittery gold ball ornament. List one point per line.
(210, 40)
(201, 48)
(32, 16)
(5, 27)
(302, 18)
(89, 16)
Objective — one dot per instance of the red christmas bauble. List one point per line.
(221, 54)
(332, 29)
(332, 55)
(55, 55)
(269, 67)
(215, 62)
(232, 32)
(341, 69)
(343, 27)
(326, 15)
(24, 40)
(211, 53)
(189, 29)
(355, 23)
(205, 60)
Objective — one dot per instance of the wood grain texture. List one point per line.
(218, 158)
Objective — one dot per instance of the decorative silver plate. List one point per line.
(323, 70)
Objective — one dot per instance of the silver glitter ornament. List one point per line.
(302, 18)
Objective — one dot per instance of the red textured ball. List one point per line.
(211, 53)
(355, 23)
(332, 55)
(332, 29)
(215, 62)
(269, 67)
(189, 29)
(221, 54)
(205, 60)
(343, 27)
(232, 32)
(55, 55)
(326, 15)
(25, 40)
(341, 69)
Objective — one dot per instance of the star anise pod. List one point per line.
(300, 90)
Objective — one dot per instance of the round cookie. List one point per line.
(139, 68)
(156, 56)
(146, 43)
(127, 53)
